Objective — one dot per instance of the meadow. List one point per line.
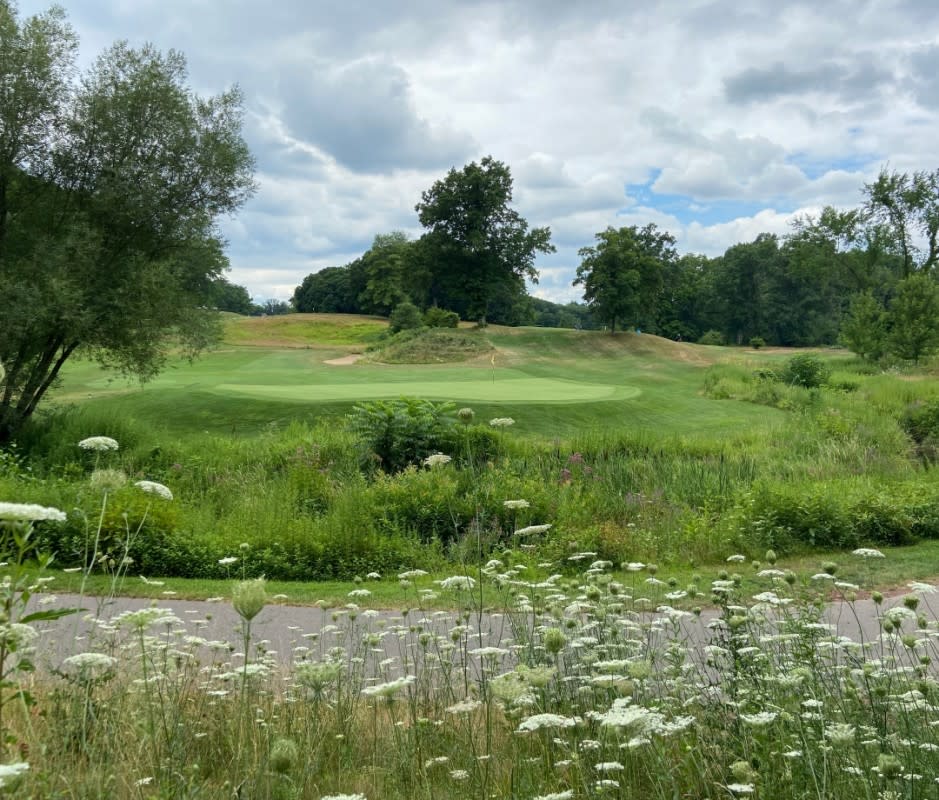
(555, 511)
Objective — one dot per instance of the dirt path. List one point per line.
(344, 361)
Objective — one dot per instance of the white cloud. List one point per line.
(356, 108)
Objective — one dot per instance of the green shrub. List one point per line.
(806, 370)
(712, 337)
(435, 317)
(405, 316)
(397, 433)
(756, 342)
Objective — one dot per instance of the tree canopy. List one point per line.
(110, 187)
(478, 245)
(622, 274)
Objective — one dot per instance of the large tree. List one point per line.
(478, 245)
(110, 188)
(622, 274)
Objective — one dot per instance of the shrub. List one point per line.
(806, 370)
(406, 316)
(757, 342)
(436, 317)
(400, 432)
(712, 337)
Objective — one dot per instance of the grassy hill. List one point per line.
(270, 370)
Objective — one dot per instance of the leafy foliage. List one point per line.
(405, 317)
(806, 370)
(399, 433)
(109, 191)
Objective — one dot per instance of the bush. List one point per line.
(401, 432)
(806, 370)
(712, 337)
(757, 342)
(436, 317)
(405, 317)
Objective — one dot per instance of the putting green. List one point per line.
(531, 390)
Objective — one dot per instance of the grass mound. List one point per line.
(303, 330)
(433, 346)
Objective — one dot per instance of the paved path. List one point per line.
(282, 628)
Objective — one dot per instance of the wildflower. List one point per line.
(248, 598)
(501, 422)
(9, 772)
(635, 566)
(492, 652)
(374, 576)
(359, 594)
(357, 796)
(436, 460)
(144, 781)
(515, 504)
(565, 795)
(465, 415)
(459, 774)
(532, 529)
(16, 636)
(319, 675)
(464, 707)
(736, 558)
(740, 788)
(457, 582)
(867, 552)
(227, 560)
(410, 575)
(99, 443)
(554, 640)
(152, 487)
(27, 512)
(760, 719)
(540, 721)
(925, 588)
(390, 688)
(145, 617)
(108, 479)
(88, 664)
(609, 766)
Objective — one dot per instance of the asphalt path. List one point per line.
(281, 629)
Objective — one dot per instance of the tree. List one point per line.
(227, 296)
(476, 241)
(622, 273)
(110, 187)
(908, 207)
(864, 329)
(387, 269)
(328, 291)
(741, 281)
(914, 318)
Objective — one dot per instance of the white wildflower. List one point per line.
(565, 795)
(390, 688)
(459, 774)
(501, 422)
(99, 443)
(228, 560)
(88, 664)
(539, 721)
(760, 718)
(437, 460)
(736, 558)
(609, 766)
(411, 574)
(9, 772)
(464, 707)
(635, 566)
(532, 529)
(27, 512)
(867, 552)
(457, 582)
(515, 504)
(152, 487)
(740, 788)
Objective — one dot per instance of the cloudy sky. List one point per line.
(714, 119)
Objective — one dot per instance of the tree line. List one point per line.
(863, 277)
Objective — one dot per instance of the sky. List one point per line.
(715, 120)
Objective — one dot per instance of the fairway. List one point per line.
(515, 390)
(552, 382)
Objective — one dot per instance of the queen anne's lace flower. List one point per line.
(27, 512)
(867, 552)
(437, 460)
(100, 444)
(152, 487)
(540, 721)
(532, 529)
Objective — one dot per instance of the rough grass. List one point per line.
(433, 346)
(303, 330)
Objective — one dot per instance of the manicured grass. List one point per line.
(552, 382)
